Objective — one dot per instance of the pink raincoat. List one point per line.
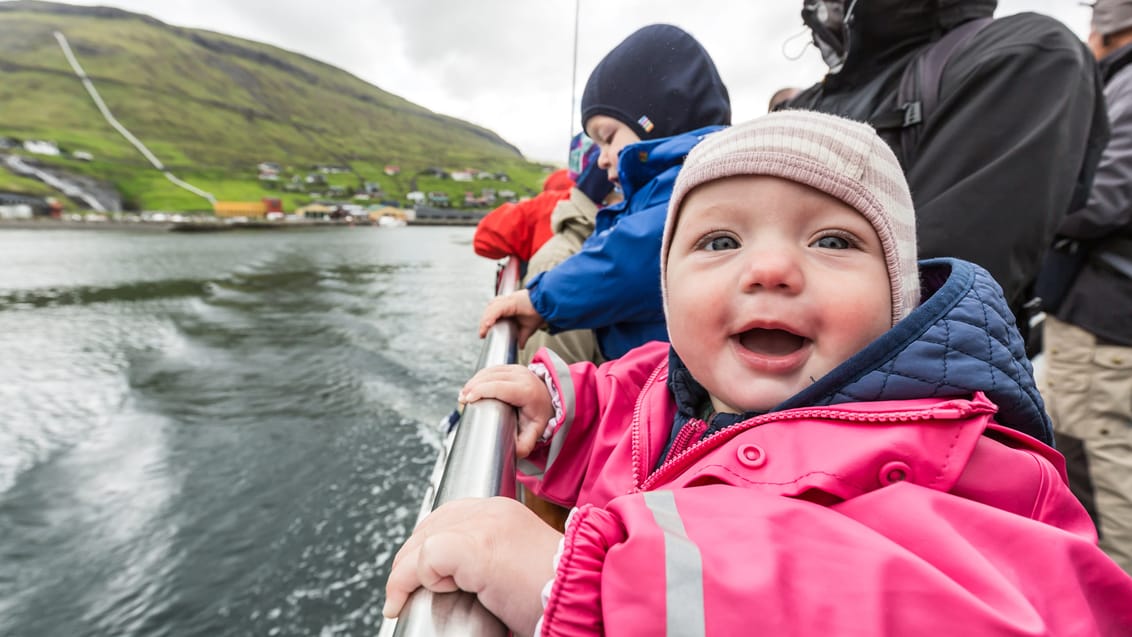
(914, 516)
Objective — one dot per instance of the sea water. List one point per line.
(221, 434)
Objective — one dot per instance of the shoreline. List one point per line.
(66, 224)
(194, 227)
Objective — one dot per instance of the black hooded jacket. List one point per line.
(1100, 297)
(1012, 144)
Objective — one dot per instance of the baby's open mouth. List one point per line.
(771, 342)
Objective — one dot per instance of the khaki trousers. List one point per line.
(1087, 388)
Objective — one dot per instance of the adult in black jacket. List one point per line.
(1088, 335)
(1011, 145)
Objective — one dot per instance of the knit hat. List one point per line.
(1111, 16)
(659, 82)
(842, 158)
(583, 152)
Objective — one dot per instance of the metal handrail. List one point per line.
(480, 464)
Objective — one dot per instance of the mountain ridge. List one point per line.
(211, 106)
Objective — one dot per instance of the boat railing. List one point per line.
(478, 461)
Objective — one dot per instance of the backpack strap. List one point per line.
(918, 94)
(1116, 253)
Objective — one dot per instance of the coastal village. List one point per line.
(334, 194)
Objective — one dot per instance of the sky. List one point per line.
(509, 65)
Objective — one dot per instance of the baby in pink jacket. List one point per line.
(839, 441)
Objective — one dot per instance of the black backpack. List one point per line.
(916, 99)
(918, 94)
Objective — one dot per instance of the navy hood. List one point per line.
(660, 82)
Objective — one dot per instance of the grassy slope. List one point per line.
(211, 106)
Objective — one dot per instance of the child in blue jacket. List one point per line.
(646, 104)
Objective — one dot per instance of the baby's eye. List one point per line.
(833, 242)
(721, 242)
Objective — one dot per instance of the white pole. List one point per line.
(574, 74)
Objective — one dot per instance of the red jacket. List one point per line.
(520, 229)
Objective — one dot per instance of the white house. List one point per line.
(41, 147)
(16, 211)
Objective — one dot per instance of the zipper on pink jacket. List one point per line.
(678, 460)
(689, 434)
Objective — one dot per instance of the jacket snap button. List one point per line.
(752, 456)
(895, 471)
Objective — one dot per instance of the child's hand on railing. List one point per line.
(521, 388)
(495, 548)
(516, 305)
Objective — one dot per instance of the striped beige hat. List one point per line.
(842, 158)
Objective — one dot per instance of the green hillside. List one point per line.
(211, 107)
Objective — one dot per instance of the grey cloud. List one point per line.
(473, 46)
(506, 64)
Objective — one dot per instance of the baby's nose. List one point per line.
(773, 268)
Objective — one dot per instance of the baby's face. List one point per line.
(611, 136)
(771, 284)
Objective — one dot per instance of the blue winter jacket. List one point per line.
(961, 339)
(612, 285)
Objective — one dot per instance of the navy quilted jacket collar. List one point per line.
(961, 339)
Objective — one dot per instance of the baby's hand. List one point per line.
(517, 386)
(494, 547)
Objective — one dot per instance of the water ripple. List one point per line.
(214, 435)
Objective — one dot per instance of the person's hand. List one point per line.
(516, 305)
(494, 547)
(519, 387)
